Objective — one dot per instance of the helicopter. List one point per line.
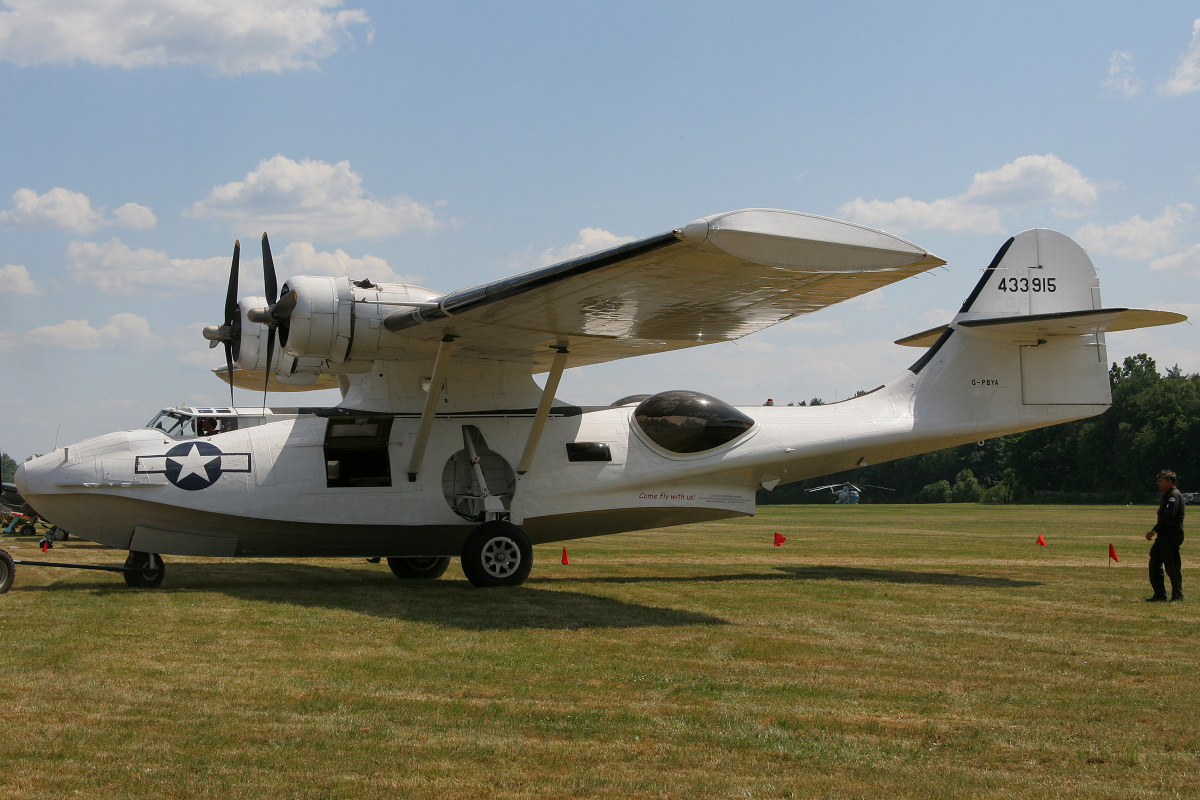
(847, 493)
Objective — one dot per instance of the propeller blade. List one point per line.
(232, 314)
(231, 298)
(229, 364)
(272, 287)
(270, 352)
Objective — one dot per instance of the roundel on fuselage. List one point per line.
(689, 422)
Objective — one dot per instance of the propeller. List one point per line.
(230, 333)
(276, 314)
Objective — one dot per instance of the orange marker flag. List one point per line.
(780, 539)
(1041, 540)
(1112, 553)
(45, 545)
(565, 556)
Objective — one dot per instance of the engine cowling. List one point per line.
(341, 322)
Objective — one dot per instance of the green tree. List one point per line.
(936, 492)
(8, 468)
(966, 488)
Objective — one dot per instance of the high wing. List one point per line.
(719, 278)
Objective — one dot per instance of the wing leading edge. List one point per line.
(718, 278)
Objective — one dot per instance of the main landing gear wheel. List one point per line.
(28, 530)
(497, 553)
(145, 570)
(420, 568)
(7, 570)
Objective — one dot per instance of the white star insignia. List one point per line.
(193, 464)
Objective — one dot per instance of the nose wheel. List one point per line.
(144, 570)
(7, 570)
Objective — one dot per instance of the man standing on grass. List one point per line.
(1164, 553)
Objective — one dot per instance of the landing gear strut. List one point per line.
(497, 553)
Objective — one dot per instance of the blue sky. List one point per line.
(452, 143)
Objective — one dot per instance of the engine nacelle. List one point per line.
(321, 324)
(341, 322)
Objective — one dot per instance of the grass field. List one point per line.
(882, 651)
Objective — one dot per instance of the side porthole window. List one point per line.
(689, 422)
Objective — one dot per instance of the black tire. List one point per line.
(497, 554)
(27, 530)
(7, 571)
(422, 568)
(58, 534)
(140, 575)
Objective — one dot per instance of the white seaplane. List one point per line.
(443, 445)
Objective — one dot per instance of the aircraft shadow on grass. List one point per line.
(447, 602)
(819, 573)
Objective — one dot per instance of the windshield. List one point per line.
(172, 422)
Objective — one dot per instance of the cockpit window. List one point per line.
(172, 423)
(689, 422)
(178, 424)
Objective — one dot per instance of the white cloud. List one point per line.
(311, 200)
(1032, 179)
(135, 217)
(15, 280)
(1186, 259)
(1120, 78)
(1185, 77)
(115, 268)
(62, 209)
(1135, 238)
(226, 36)
(301, 258)
(124, 330)
(1025, 181)
(590, 240)
(947, 214)
(58, 208)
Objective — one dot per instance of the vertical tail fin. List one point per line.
(1027, 348)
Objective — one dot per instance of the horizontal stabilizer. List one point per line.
(924, 338)
(1065, 323)
(1062, 323)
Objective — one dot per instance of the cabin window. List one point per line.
(356, 451)
(588, 451)
(689, 422)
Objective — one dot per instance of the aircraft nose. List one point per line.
(35, 476)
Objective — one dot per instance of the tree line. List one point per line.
(1153, 424)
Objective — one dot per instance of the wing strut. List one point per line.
(543, 409)
(440, 365)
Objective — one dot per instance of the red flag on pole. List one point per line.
(1041, 540)
(1112, 553)
(45, 545)
(565, 556)
(780, 539)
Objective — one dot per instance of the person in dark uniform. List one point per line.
(1164, 553)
